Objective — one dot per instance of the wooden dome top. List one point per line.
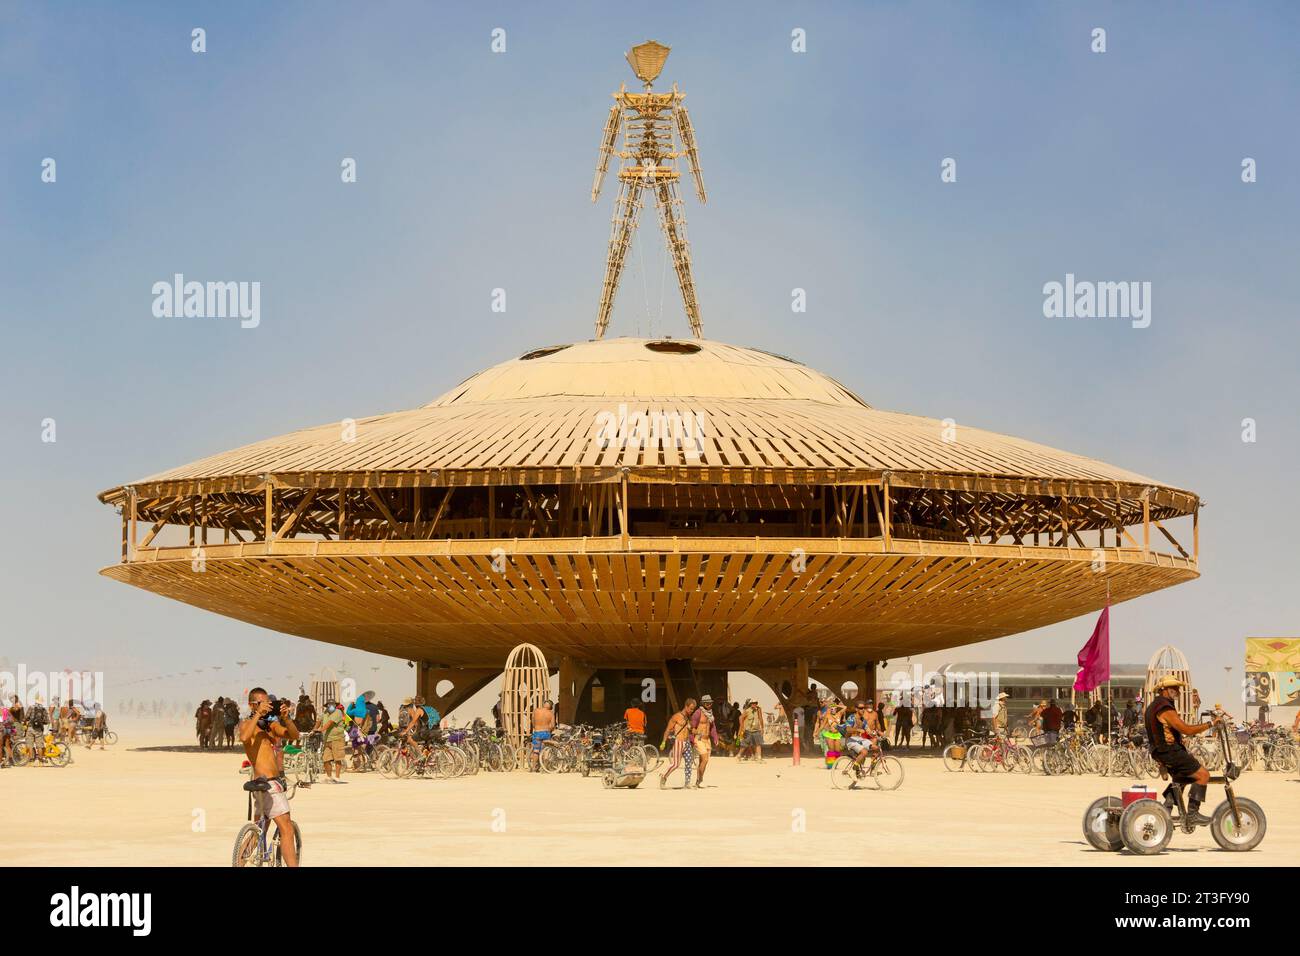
(630, 369)
(758, 416)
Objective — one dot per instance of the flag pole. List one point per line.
(1110, 690)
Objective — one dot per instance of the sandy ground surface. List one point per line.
(130, 805)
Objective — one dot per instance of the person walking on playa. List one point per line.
(903, 725)
(828, 732)
(751, 730)
(704, 737)
(679, 729)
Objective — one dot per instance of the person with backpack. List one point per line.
(432, 717)
(37, 716)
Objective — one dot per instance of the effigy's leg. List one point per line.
(673, 221)
(627, 211)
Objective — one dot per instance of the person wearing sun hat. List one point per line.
(1165, 731)
(1000, 714)
(751, 730)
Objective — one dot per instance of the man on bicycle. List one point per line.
(1165, 730)
(263, 735)
(861, 728)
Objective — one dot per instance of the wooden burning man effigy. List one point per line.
(525, 685)
(657, 132)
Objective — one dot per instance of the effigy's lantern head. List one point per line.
(647, 60)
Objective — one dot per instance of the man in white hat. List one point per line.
(1165, 731)
(1000, 715)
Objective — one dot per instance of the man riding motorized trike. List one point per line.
(1165, 730)
(1145, 825)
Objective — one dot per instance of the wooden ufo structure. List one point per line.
(626, 502)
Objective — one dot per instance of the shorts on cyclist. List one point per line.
(271, 803)
(856, 745)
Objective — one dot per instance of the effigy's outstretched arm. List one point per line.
(687, 133)
(607, 139)
(627, 211)
(673, 221)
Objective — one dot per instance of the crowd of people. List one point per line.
(61, 722)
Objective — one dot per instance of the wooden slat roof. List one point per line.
(753, 410)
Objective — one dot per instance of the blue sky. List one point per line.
(474, 171)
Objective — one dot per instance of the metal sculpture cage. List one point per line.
(1166, 662)
(525, 685)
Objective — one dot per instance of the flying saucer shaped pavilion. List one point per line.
(671, 505)
(623, 502)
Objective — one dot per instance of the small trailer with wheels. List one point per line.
(1142, 824)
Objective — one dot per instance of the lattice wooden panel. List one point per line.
(737, 603)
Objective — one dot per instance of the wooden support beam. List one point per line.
(866, 513)
(887, 529)
(1196, 533)
(393, 525)
(134, 512)
(1172, 540)
(854, 499)
(624, 529)
(672, 693)
(268, 521)
(442, 510)
(1146, 523)
(292, 520)
(158, 525)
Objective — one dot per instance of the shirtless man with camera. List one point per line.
(263, 735)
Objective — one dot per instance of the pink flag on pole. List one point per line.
(1094, 657)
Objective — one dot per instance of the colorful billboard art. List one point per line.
(1273, 668)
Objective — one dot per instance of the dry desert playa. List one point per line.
(132, 805)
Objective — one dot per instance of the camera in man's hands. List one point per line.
(278, 704)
